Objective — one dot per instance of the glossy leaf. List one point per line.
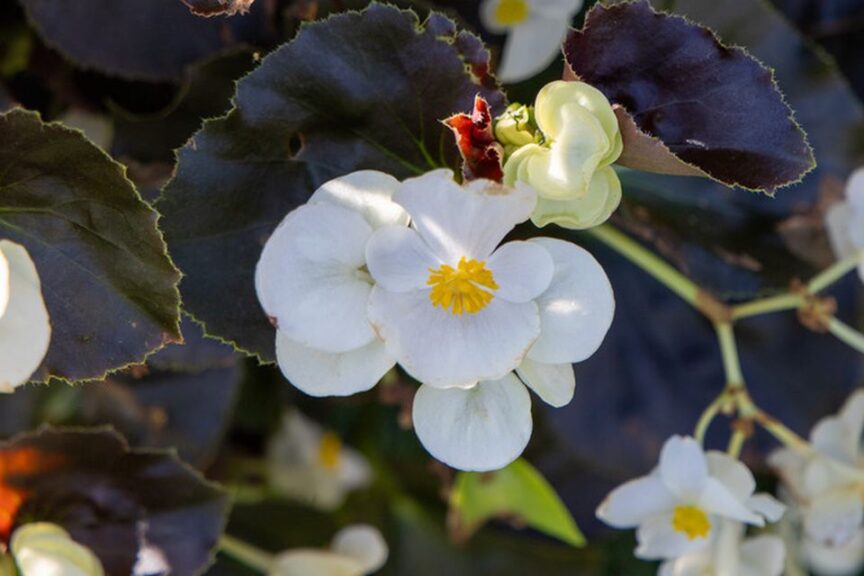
(110, 288)
(152, 40)
(113, 500)
(358, 91)
(517, 492)
(694, 102)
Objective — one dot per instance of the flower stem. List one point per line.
(246, 553)
(785, 301)
(834, 273)
(708, 416)
(649, 262)
(847, 334)
(729, 353)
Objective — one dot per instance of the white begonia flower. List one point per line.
(308, 464)
(25, 328)
(535, 30)
(43, 549)
(460, 313)
(355, 551)
(730, 554)
(679, 506)
(311, 280)
(571, 169)
(845, 221)
(828, 483)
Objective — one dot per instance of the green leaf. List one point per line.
(518, 492)
(363, 90)
(687, 104)
(109, 286)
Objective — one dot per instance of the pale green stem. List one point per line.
(847, 334)
(834, 273)
(648, 261)
(729, 352)
(777, 303)
(247, 554)
(707, 417)
(736, 443)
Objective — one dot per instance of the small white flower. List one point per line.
(844, 560)
(678, 507)
(535, 28)
(828, 483)
(460, 313)
(845, 221)
(43, 549)
(311, 281)
(355, 551)
(25, 329)
(731, 555)
(571, 167)
(311, 465)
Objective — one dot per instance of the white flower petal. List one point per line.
(25, 328)
(522, 271)
(845, 560)
(457, 221)
(658, 540)
(354, 470)
(834, 518)
(44, 549)
(635, 502)
(732, 473)
(488, 19)
(321, 232)
(717, 499)
(320, 305)
(855, 188)
(483, 428)
(683, 467)
(399, 260)
(364, 543)
(764, 555)
(766, 506)
(576, 310)
(555, 384)
(532, 46)
(442, 349)
(332, 373)
(314, 562)
(368, 192)
(838, 223)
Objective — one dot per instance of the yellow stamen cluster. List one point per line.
(330, 451)
(466, 288)
(692, 521)
(511, 12)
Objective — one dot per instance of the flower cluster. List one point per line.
(691, 512)
(535, 30)
(372, 272)
(845, 221)
(25, 329)
(567, 158)
(826, 487)
(309, 464)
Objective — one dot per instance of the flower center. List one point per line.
(691, 521)
(466, 288)
(330, 451)
(511, 12)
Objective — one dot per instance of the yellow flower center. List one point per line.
(691, 521)
(511, 12)
(330, 451)
(466, 288)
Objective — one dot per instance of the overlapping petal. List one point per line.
(320, 373)
(25, 328)
(368, 192)
(456, 221)
(555, 384)
(482, 428)
(577, 309)
(634, 502)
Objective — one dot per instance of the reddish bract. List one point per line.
(482, 154)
